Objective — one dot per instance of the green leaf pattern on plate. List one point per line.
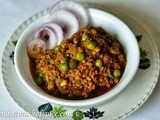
(59, 111)
(77, 115)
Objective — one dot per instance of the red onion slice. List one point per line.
(76, 8)
(35, 47)
(56, 29)
(66, 20)
(48, 36)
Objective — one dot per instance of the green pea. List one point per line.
(41, 74)
(63, 67)
(85, 37)
(56, 91)
(98, 63)
(114, 51)
(80, 56)
(64, 60)
(57, 48)
(40, 81)
(72, 64)
(111, 37)
(116, 73)
(91, 45)
(52, 61)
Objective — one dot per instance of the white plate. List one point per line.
(121, 106)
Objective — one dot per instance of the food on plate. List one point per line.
(35, 47)
(77, 9)
(87, 64)
(47, 35)
(66, 20)
(71, 59)
(56, 29)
